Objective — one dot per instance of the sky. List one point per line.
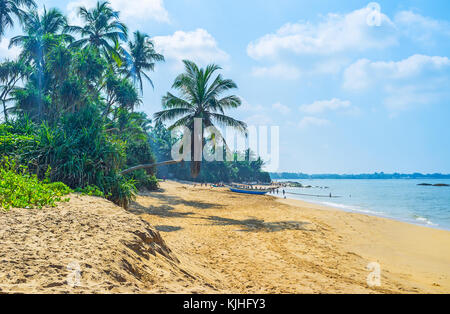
(354, 86)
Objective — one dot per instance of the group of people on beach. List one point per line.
(277, 191)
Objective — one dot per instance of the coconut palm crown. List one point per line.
(140, 58)
(102, 30)
(200, 97)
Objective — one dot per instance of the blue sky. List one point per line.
(351, 90)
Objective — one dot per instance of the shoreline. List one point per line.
(341, 207)
(402, 200)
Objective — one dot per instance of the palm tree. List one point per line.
(102, 30)
(141, 58)
(11, 72)
(200, 98)
(40, 29)
(42, 32)
(11, 8)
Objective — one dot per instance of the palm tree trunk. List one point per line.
(5, 113)
(196, 165)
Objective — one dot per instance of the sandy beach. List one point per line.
(186, 239)
(254, 244)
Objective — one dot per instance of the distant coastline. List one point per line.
(364, 176)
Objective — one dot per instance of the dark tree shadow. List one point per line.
(175, 200)
(166, 211)
(257, 225)
(168, 228)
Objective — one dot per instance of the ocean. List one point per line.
(402, 200)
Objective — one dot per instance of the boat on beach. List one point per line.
(249, 191)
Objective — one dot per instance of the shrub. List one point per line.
(90, 190)
(20, 189)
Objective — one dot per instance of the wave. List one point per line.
(353, 208)
(425, 221)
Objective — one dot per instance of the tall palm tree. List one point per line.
(42, 32)
(140, 58)
(10, 9)
(200, 97)
(11, 72)
(102, 30)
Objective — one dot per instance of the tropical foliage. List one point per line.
(69, 101)
(69, 106)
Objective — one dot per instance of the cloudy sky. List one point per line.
(354, 86)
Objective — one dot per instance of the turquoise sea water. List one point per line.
(402, 200)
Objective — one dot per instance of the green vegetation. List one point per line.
(91, 190)
(69, 104)
(20, 189)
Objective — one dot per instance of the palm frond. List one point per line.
(171, 114)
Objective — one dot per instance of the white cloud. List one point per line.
(198, 46)
(129, 10)
(363, 73)
(321, 106)
(336, 33)
(281, 108)
(409, 83)
(280, 71)
(312, 121)
(419, 27)
(6, 53)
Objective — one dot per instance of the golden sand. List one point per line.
(187, 239)
(252, 244)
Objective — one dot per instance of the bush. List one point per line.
(20, 189)
(12, 141)
(144, 180)
(90, 190)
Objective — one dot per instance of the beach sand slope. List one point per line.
(87, 245)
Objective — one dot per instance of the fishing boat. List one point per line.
(248, 191)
